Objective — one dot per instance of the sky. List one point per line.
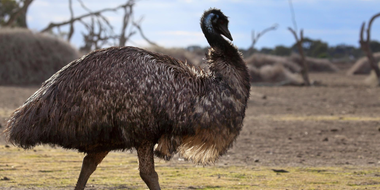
(175, 23)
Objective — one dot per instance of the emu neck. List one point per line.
(220, 45)
(227, 64)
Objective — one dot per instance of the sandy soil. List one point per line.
(335, 123)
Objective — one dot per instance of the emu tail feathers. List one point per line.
(206, 145)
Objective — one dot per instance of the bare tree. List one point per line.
(99, 31)
(97, 35)
(255, 38)
(364, 43)
(305, 67)
(19, 13)
(299, 42)
(96, 13)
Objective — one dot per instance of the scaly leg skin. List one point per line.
(90, 162)
(146, 165)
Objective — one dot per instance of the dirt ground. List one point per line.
(333, 124)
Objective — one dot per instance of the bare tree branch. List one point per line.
(361, 40)
(97, 35)
(305, 67)
(71, 32)
(52, 25)
(15, 15)
(84, 6)
(299, 42)
(256, 38)
(370, 25)
(128, 11)
(293, 15)
(100, 15)
(137, 25)
(364, 44)
(99, 30)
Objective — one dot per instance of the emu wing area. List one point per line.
(109, 99)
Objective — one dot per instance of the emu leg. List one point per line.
(146, 166)
(90, 162)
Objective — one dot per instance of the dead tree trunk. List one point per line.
(20, 14)
(305, 66)
(364, 43)
(71, 31)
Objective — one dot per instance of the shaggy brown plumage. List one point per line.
(123, 98)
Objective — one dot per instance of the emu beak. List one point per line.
(225, 32)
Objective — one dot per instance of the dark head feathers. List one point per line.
(214, 21)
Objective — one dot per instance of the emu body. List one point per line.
(125, 97)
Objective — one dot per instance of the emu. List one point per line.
(122, 98)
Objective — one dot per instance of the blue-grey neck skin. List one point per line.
(208, 22)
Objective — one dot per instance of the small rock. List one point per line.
(280, 171)
(5, 179)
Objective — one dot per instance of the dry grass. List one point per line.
(49, 168)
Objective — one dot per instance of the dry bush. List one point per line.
(272, 70)
(181, 54)
(31, 58)
(371, 80)
(254, 74)
(362, 66)
(259, 60)
(315, 65)
(275, 74)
